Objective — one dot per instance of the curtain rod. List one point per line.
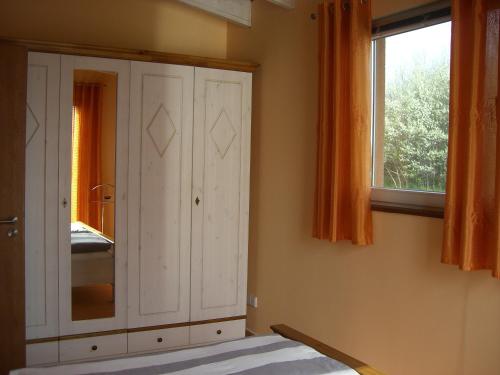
(345, 5)
(436, 6)
(423, 16)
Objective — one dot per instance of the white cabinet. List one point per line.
(42, 123)
(178, 248)
(161, 122)
(221, 167)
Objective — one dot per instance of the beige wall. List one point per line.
(394, 304)
(160, 25)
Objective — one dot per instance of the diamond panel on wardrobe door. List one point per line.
(32, 125)
(223, 133)
(161, 130)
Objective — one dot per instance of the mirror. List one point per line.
(93, 194)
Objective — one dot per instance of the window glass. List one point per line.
(411, 104)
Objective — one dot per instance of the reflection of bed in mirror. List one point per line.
(92, 256)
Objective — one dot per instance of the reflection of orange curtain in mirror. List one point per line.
(86, 155)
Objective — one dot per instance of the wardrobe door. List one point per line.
(161, 121)
(42, 122)
(93, 162)
(222, 115)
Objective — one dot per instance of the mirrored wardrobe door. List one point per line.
(92, 193)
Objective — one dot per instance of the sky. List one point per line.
(421, 46)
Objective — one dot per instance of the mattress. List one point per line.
(85, 241)
(270, 355)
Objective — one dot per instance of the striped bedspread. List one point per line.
(270, 355)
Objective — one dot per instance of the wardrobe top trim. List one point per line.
(131, 54)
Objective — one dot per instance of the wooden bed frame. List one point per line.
(357, 365)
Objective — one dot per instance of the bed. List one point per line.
(286, 352)
(92, 256)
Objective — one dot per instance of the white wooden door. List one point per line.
(121, 68)
(161, 122)
(222, 116)
(42, 124)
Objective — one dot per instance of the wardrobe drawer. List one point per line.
(230, 330)
(158, 339)
(42, 353)
(92, 347)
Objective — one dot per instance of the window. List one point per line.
(411, 75)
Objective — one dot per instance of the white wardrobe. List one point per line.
(179, 200)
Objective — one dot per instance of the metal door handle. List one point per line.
(9, 221)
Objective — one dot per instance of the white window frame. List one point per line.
(387, 198)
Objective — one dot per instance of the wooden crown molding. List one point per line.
(131, 54)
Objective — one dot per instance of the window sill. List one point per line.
(408, 209)
(409, 202)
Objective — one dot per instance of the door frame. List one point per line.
(13, 86)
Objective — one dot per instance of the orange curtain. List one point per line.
(472, 210)
(87, 101)
(342, 199)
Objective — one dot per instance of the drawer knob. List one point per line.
(94, 347)
(159, 339)
(219, 331)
